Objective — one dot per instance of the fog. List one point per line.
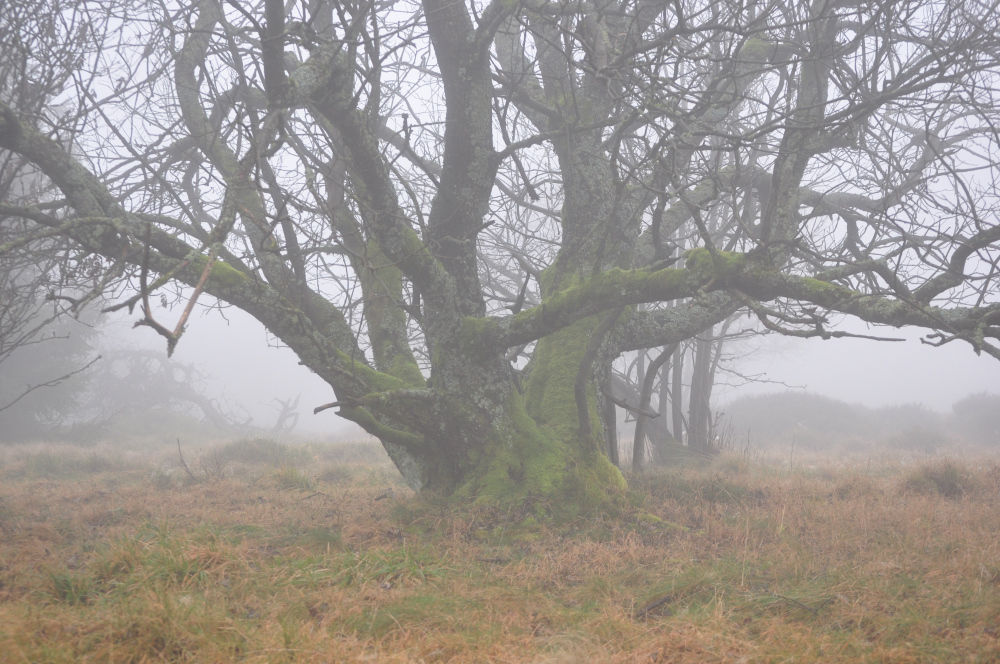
(245, 365)
(246, 370)
(872, 373)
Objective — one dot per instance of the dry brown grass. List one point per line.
(298, 555)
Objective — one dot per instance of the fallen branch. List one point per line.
(803, 605)
(655, 604)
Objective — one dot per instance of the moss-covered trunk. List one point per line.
(488, 441)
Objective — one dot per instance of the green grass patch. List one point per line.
(290, 477)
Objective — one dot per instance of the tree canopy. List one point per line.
(459, 214)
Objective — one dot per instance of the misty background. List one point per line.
(248, 364)
(247, 373)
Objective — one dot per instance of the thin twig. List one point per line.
(184, 463)
(803, 605)
(51, 383)
(655, 604)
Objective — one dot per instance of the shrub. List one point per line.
(977, 417)
(44, 464)
(946, 479)
(162, 479)
(856, 486)
(289, 477)
(73, 589)
(336, 474)
(771, 416)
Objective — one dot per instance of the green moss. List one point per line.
(721, 266)
(367, 421)
(649, 519)
(756, 50)
(473, 331)
(541, 453)
(526, 462)
(646, 517)
(662, 284)
(550, 393)
(552, 459)
(821, 291)
(521, 460)
(611, 288)
(698, 259)
(406, 369)
(604, 290)
(382, 284)
(377, 381)
(226, 275)
(222, 274)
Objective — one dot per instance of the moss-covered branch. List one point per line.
(322, 339)
(769, 284)
(603, 291)
(705, 272)
(370, 175)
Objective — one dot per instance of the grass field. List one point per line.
(317, 553)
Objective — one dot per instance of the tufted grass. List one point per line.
(318, 553)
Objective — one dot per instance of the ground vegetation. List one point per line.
(321, 553)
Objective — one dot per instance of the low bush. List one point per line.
(945, 478)
(977, 418)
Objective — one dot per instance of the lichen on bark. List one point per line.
(526, 460)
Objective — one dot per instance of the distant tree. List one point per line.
(653, 430)
(137, 383)
(43, 382)
(817, 422)
(782, 414)
(47, 280)
(977, 417)
(450, 211)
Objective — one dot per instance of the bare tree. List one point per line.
(141, 382)
(45, 277)
(450, 211)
